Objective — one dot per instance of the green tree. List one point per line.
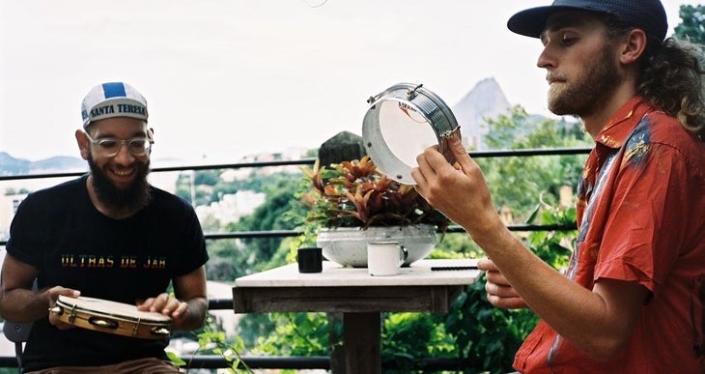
(692, 26)
(521, 183)
(231, 258)
(280, 211)
(207, 177)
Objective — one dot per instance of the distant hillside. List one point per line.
(12, 166)
(17, 166)
(485, 100)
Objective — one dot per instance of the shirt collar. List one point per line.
(620, 125)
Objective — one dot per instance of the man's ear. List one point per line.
(82, 141)
(633, 47)
(150, 133)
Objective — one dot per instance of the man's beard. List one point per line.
(590, 92)
(130, 199)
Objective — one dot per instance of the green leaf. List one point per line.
(174, 358)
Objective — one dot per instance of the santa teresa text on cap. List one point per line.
(115, 108)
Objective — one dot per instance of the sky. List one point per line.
(230, 78)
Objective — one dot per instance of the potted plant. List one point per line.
(351, 203)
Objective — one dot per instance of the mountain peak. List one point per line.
(485, 100)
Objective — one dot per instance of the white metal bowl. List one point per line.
(347, 246)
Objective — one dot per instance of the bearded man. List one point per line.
(108, 235)
(631, 300)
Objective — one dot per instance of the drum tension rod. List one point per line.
(137, 325)
(72, 314)
(412, 94)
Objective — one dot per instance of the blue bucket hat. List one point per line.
(647, 15)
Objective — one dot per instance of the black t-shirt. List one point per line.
(60, 233)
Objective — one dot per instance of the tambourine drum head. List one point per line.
(114, 308)
(405, 132)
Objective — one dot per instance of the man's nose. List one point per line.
(124, 156)
(546, 59)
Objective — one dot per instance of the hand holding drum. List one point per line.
(111, 317)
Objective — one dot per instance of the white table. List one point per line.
(359, 296)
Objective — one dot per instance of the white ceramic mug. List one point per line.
(385, 257)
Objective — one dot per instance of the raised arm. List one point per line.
(597, 321)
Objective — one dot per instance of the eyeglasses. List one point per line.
(109, 147)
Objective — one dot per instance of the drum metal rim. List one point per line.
(442, 129)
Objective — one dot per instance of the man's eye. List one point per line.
(108, 143)
(138, 143)
(568, 39)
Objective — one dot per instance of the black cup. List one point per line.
(310, 260)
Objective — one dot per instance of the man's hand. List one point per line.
(499, 292)
(52, 294)
(459, 193)
(167, 305)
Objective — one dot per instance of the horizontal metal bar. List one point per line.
(531, 152)
(239, 165)
(526, 227)
(310, 362)
(253, 234)
(220, 304)
(310, 161)
(287, 233)
(215, 362)
(317, 362)
(41, 176)
(451, 229)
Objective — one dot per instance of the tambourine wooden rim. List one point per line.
(424, 103)
(145, 325)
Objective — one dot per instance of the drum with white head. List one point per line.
(111, 317)
(401, 123)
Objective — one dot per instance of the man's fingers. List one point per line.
(486, 264)
(145, 305)
(507, 303)
(497, 278)
(433, 159)
(63, 291)
(171, 305)
(71, 293)
(163, 303)
(179, 311)
(160, 302)
(53, 293)
(459, 152)
(419, 178)
(501, 291)
(423, 161)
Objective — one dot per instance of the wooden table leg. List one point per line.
(361, 343)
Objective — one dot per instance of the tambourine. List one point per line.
(403, 121)
(111, 317)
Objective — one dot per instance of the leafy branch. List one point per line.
(355, 194)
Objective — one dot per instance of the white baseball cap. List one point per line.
(113, 99)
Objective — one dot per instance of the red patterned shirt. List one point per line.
(641, 219)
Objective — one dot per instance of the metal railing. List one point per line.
(313, 362)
